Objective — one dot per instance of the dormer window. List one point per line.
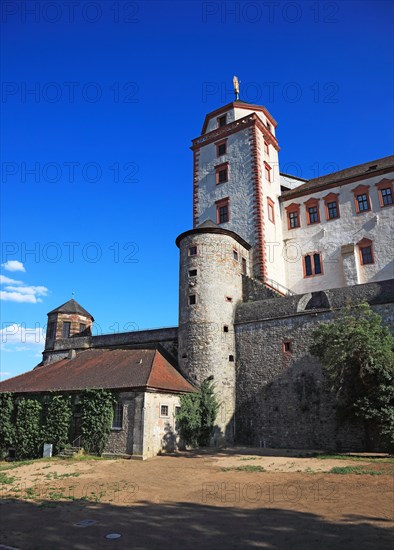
(222, 121)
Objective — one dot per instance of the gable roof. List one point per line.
(72, 307)
(110, 369)
(360, 171)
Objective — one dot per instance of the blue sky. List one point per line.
(100, 102)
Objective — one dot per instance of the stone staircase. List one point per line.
(69, 452)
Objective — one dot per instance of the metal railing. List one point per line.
(280, 288)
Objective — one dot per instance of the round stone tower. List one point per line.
(212, 261)
(67, 320)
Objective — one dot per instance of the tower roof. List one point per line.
(239, 105)
(72, 307)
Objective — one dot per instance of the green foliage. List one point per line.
(6, 421)
(356, 352)
(97, 413)
(28, 433)
(197, 415)
(58, 421)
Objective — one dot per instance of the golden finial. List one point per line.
(236, 87)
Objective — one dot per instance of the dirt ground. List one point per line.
(237, 498)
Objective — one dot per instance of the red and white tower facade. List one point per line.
(237, 182)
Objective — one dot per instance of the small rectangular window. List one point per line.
(363, 202)
(82, 327)
(231, 358)
(221, 173)
(117, 420)
(51, 330)
(225, 328)
(266, 148)
(66, 329)
(244, 266)
(267, 170)
(192, 251)
(223, 213)
(192, 299)
(192, 272)
(294, 220)
(269, 126)
(287, 347)
(222, 121)
(313, 214)
(221, 148)
(312, 265)
(177, 410)
(387, 196)
(235, 255)
(163, 410)
(366, 255)
(332, 209)
(229, 299)
(271, 210)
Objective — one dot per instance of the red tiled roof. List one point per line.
(110, 369)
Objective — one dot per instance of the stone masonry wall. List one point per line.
(281, 397)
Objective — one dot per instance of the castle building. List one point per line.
(269, 256)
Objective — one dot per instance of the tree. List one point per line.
(356, 352)
(197, 415)
(6, 421)
(28, 433)
(97, 414)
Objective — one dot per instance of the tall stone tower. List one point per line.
(212, 262)
(68, 320)
(237, 182)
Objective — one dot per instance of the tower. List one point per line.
(236, 182)
(66, 321)
(212, 263)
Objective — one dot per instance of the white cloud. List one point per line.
(13, 265)
(18, 297)
(7, 281)
(23, 294)
(18, 337)
(35, 290)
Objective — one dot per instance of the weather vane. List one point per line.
(236, 87)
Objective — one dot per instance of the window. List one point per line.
(51, 330)
(231, 358)
(66, 329)
(117, 420)
(244, 266)
(221, 173)
(222, 121)
(331, 203)
(361, 199)
(235, 255)
(222, 211)
(177, 410)
(192, 250)
(293, 216)
(221, 148)
(312, 265)
(271, 210)
(225, 328)
(163, 410)
(266, 149)
(193, 273)
(366, 252)
(229, 299)
(287, 347)
(385, 192)
(267, 169)
(312, 211)
(192, 299)
(82, 327)
(269, 126)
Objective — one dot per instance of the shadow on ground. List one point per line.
(148, 525)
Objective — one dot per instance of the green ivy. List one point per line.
(97, 414)
(7, 429)
(197, 414)
(28, 432)
(58, 421)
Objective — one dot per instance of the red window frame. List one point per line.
(362, 245)
(271, 209)
(219, 144)
(219, 204)
(359, 191)
(382, 185)
(328, 199)
(313, 266)
(221, 168)
(266, 148)
(267, 170)
(291, 209)
(312, 203)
